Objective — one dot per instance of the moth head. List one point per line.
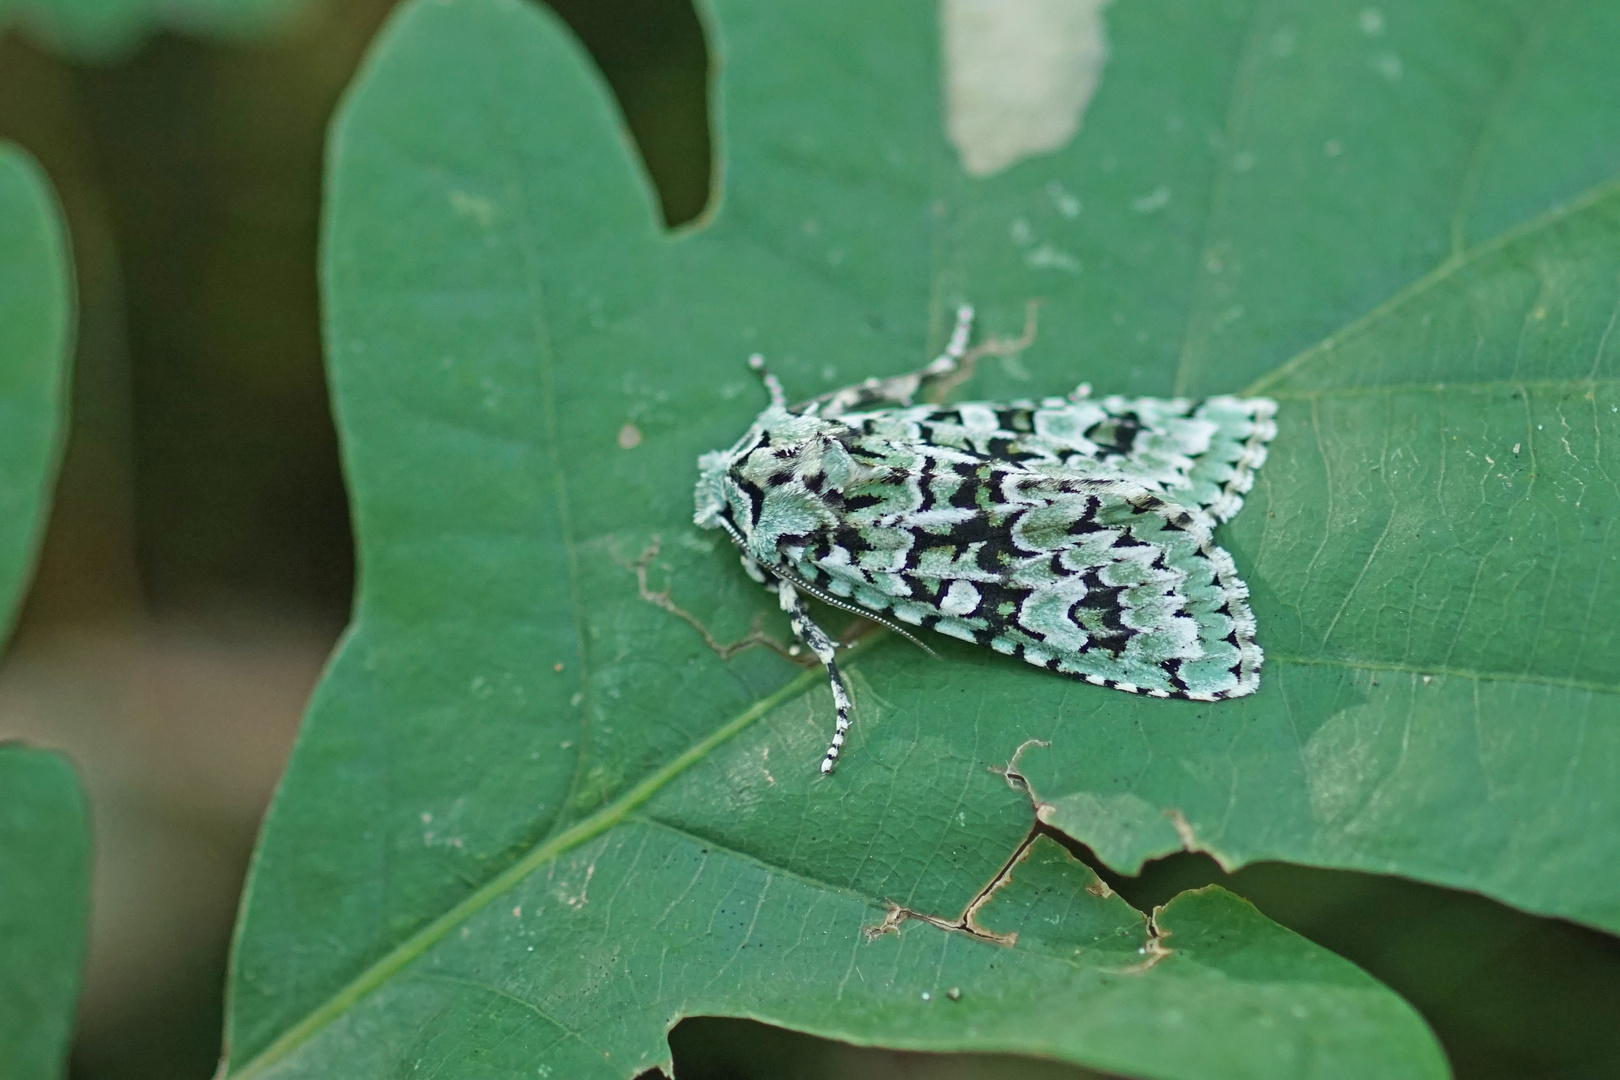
(774, 481)
(715, 491)
(710, 495)
(807, 455)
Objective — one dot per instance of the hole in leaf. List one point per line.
(652, 54)
(721, 1048)
(1508, 993)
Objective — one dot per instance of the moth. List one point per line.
(1074, 532)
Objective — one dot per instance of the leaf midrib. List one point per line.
(1441, 386)
(1353, 664)
(1445, 270)
(579, 833)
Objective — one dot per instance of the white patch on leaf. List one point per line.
(1019, 75)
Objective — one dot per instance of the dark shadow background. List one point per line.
(198, 565)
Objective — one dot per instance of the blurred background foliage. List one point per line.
(198, 566)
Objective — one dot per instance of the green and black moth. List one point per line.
(1076, 533)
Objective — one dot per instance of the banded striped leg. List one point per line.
(901, 389)
(946, 363)
(816, 640)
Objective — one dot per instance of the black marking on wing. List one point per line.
(1016, 419)
(1105, 601)
(1085, 523)
(1004, 448)
(861, 501)
(966, 496)
(993, 595)
(1116, 435)
(755, 497)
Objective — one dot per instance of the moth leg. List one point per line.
(955, 365)
(751, 568)
(816, 640)
(950, 361)
(901, 389)
(773, 386)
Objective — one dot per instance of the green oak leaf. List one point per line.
(44, 827)
(36, 333)
(534, 818)
(44, 908)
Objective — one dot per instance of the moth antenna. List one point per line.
(725, 523)
(854, 609)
